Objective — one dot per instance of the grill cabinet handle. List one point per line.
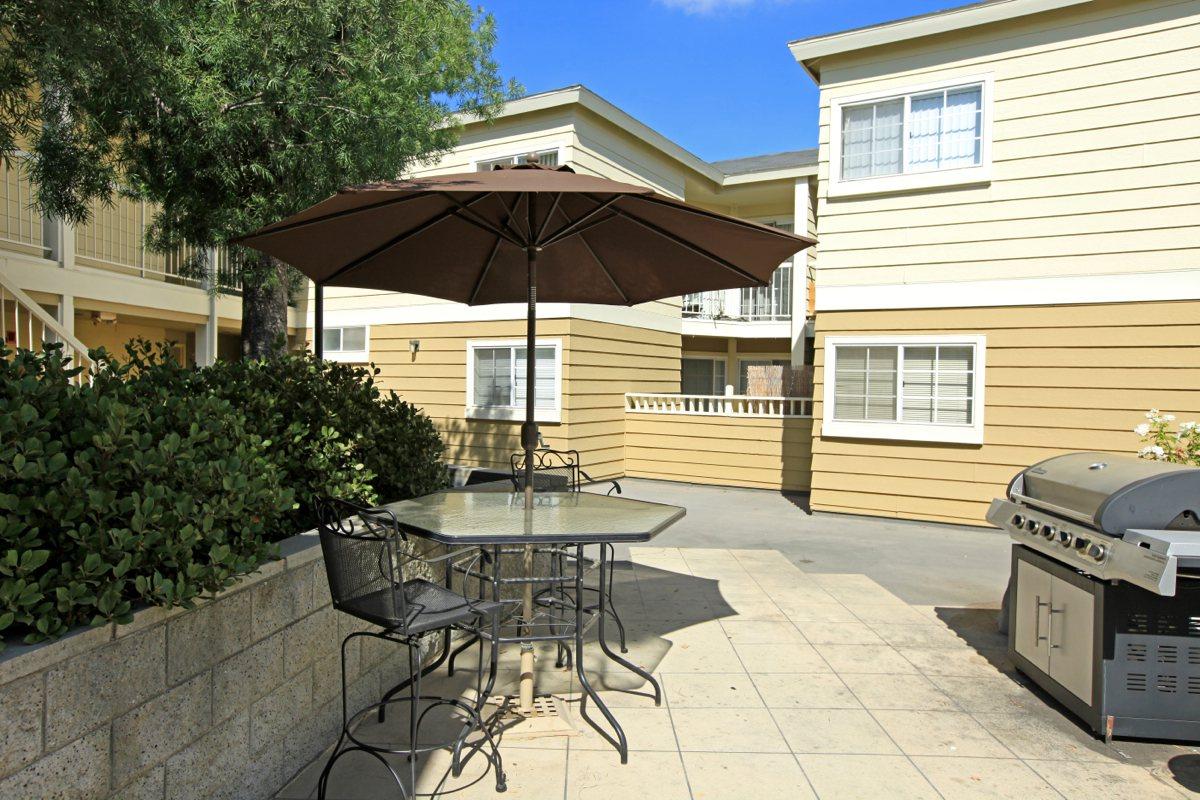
(1050, 626)
(1037, 620)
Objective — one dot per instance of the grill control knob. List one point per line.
(1081, 543)
(1018, 521)
(1097, 551)
(1031, 525)
(1064, 538)
(1049, 531)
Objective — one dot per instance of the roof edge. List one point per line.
(578, 94)
(809, 49)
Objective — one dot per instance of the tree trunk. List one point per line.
(264, 308)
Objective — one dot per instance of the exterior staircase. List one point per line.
(26, 324)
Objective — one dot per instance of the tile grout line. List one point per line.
(895, 744)
(811, 787)
(675, 734)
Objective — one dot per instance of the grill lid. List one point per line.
(1111, 492)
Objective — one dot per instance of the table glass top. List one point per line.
(499, 517)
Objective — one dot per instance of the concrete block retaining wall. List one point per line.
(227, 700)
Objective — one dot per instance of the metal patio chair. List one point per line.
(366, 556)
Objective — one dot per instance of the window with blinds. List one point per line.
(930, 384)
(497, 384)
(919, 132)
(347, 343)
(547, 158)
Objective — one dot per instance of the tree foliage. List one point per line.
(232, 114)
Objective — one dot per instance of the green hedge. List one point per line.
(158, 483)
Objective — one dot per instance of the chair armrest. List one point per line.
(616, 487)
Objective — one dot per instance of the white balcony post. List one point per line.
(800, 273)
(66, 312)
(206, 337)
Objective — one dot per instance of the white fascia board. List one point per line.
(457, 312)
(815, 47)
(769, 175)
(1063, 290)
(735, 329)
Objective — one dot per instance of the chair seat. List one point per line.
(430, 607)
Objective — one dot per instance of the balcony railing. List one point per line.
(716, 405)
(758, 304)
(113, 239)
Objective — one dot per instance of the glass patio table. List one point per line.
(559, 524)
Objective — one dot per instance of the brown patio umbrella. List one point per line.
(522, 234)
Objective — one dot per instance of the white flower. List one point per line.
(1168, 417)
(1143, 429)
(1187, 427)
(1152, 413)
(1153, 451)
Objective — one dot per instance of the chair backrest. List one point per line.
(366, 576)
(553, 471)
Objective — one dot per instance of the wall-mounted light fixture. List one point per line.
(414, 346)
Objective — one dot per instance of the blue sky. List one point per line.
(713, 75)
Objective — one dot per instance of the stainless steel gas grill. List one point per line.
(1104, 598)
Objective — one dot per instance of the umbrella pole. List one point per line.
(529, 442)
(319, 320)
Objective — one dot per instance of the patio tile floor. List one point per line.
(783, 684)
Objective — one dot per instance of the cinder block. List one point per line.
(214, 765)
(151, 786)
(79, 771)
(21, 704)
(209, 634)
(313, 735)
(152, 732)
(310, 638)
(96, 686)
(271, 716)
(243, 678)
(280, 601)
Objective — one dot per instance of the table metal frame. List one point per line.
(566, 630)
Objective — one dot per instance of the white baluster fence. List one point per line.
(717, 405)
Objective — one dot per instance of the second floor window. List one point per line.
(919, 132)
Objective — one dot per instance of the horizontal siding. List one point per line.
(1095, 156)
(601, 362)
(763, 453)
(1058, 379)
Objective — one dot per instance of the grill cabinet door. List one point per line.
(1031, 625)
(1071, 637)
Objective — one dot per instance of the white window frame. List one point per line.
(898, 429)
(510, 412)
(909, 181)
(519, 152)
(350, 356)
(715, 359)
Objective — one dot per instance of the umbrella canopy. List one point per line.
(466, 238)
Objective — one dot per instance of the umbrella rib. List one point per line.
(607, 274)
(397, 239)
(483, 273)
(470, 216)
(572, 227)
(511, 211)
(291, 226)
(685, 244)
(546, 222)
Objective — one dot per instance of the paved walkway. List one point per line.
(782, 683)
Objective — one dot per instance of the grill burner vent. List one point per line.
(1135, 682)
(1167, 684)
(1135, 652)
(1168, 654)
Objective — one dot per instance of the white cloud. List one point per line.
(709, 6)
